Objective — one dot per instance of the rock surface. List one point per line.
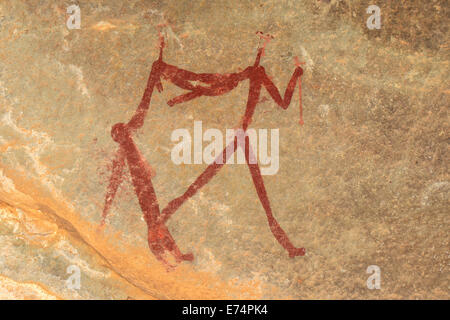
(363, 182)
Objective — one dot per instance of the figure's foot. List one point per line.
(101, 226)
(179, 257)
(169, 267)
(187, 257)
(297, 252)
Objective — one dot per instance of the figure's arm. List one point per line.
(217, 84)
(173, 72)
(275, 94)
(154, 79)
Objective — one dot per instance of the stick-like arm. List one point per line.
(275, 94)
(137, 121)
(286, 100)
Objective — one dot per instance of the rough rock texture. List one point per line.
(364, 182)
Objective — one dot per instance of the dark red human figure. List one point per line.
(159, 237)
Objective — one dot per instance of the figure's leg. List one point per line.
(201, 180)
(114, 182)
(170, 245)
(276, 229)
(159, 238)
(212, 169)
(157, 249)
(140, 173)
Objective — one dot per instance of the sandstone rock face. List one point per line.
(364, 182)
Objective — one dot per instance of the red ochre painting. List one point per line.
(159, 237)
(224, 150)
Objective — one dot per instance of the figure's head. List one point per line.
(264, 36)
(119, 132)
